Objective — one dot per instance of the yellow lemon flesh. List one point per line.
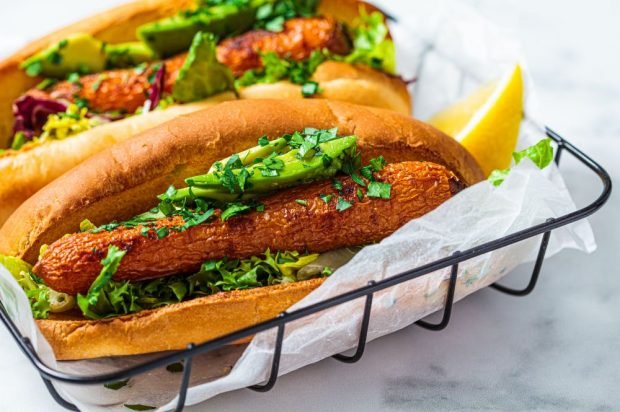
(487, 122)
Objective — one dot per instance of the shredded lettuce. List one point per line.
(371, 47)
(117, 298)
(109, 267)
(37, 292)
(541, 154)
(371, 44)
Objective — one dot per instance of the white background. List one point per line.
(553, 350)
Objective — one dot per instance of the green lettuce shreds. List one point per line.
(202, 75)
(371, 43)
(116, 298)
(36, 291)
(541, 154)
(275, 69)
(110, 265)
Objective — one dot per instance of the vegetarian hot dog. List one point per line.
(253, 219)
(99, 82)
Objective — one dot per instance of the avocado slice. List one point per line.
(293, 172)
(174, 34)
(128, 54)
(80, 53)
(202, 75)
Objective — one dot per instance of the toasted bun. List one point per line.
(24, 172)
(342, 81)
(125, 179)
(171, 327)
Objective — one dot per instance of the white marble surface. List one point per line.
(553, 350)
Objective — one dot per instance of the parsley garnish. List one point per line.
(301, 202)
(541, 154)
(138, 407)
(337, 184)
(309, 89)
(360, 195)
(342, 205)
(326, 198)
(379, 189)
(263, 140)
(162, 232)
(234, 209)
(116, 385)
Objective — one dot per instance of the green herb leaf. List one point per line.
(378, 163)
(116, 385)
(162, 232)
(379, 189)
(110, 266)
(301, 202)
(234, 209)
(138, 407)
(336, 184)
(326, 198)
(263, 140)
(541, 154)
(498, 176)
(342, 205)
(360, 195)
(309, 89)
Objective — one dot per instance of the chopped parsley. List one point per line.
(234, 209)
(263, 140)
(162, 232)
(379, 189)
(301, 202)
(360, 194)
(309, 89)
(139, 407)
(337, 184)
(326, 198)
(342, 205)
(116, 385)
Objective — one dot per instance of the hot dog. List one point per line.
(249, 213)
(93, 84)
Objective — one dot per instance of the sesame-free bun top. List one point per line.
(124, 180)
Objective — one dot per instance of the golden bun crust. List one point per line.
(171, 327)
(125, 179)
(342, 81)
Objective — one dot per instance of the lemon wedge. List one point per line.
(487, 122)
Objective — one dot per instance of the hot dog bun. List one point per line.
(170, 327)
(24, 172)
(124, 180)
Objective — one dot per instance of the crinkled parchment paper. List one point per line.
(451, 51)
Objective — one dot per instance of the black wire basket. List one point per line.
(50, 374)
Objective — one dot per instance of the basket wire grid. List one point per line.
(49, 374)
(187, 355)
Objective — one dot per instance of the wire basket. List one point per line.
(51, 374)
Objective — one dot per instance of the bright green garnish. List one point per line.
(116, 298)
(541, 154)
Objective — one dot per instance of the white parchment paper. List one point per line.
(450, 50)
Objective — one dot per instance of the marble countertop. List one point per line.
(553, 350)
